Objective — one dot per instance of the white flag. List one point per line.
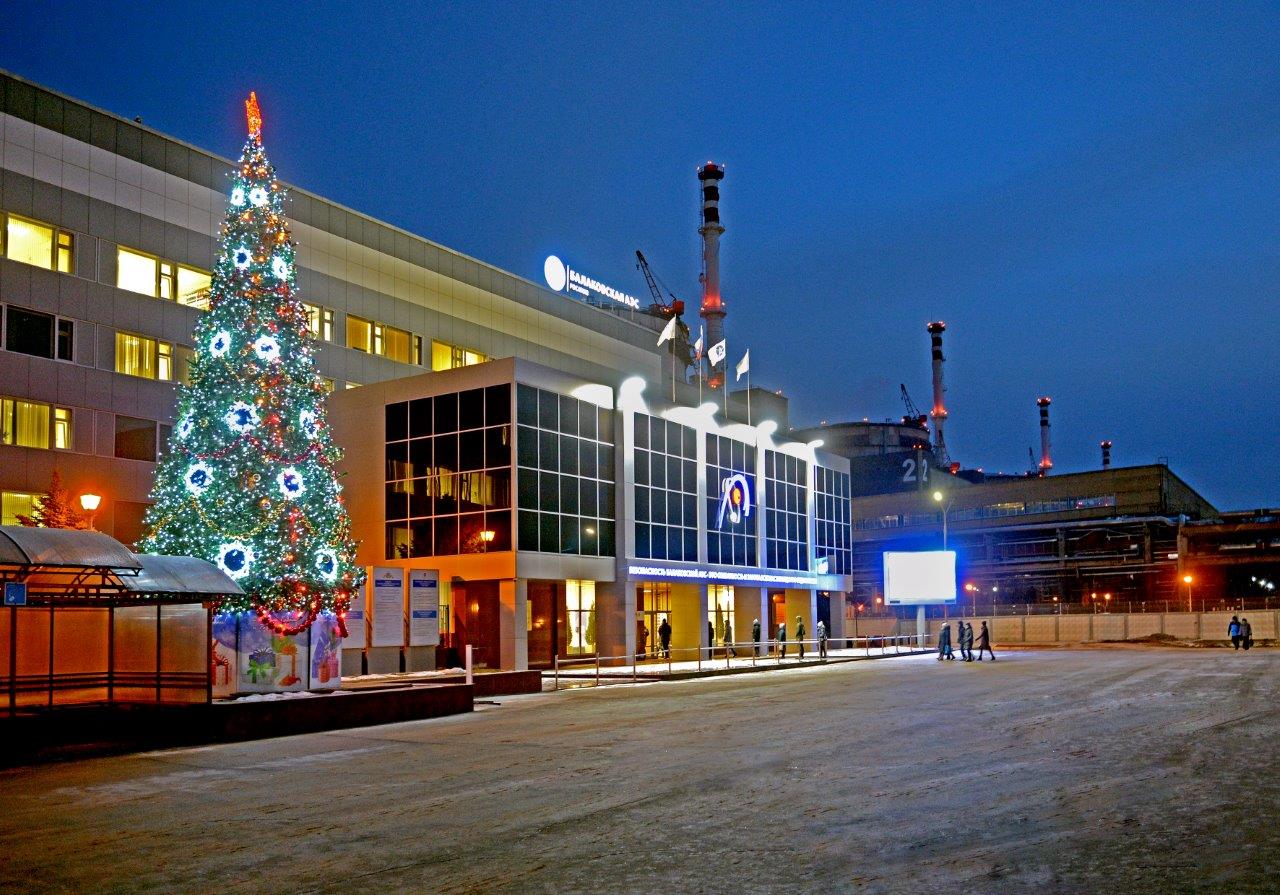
(668, 332)
(716, 353)
(744, 365)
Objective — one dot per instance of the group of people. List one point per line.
(1240, 632)
(664, 637)
(964, 641)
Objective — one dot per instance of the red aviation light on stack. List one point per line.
(712, 311)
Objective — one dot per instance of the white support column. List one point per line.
(513, 614)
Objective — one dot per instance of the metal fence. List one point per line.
(765, 653)
(1102, 605)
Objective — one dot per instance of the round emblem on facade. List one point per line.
(556, 274)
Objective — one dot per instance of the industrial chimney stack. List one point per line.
(1106, 455)
(710, 175)
(1046, 462)
(939, 412)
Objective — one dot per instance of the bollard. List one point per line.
(470, 679)
(597, 669)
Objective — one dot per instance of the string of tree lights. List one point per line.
(249, 480)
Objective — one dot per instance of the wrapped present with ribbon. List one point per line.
(266, 671)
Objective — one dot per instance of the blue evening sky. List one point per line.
(1088, 194)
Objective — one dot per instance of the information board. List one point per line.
(913, 579)
(424, 607)
(388, 606)
(357, 622)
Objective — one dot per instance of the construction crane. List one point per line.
(666, 309)
(660, 307)
(914, 417)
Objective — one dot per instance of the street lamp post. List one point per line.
(89, 503)
(938, 497)
(1187, 579)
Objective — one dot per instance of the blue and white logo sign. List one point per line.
(563, 278)
(15, 593)
(735, 499)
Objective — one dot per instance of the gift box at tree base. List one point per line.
(250, 657)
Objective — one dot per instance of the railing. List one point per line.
(1102, 605)
(770, 652)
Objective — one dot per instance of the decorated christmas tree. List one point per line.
(248, 481)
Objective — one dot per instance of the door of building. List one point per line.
(653, 604)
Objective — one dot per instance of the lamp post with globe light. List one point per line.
(90, 503)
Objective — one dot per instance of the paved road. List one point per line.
(1085, 771)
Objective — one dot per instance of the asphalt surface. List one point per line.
(1122, 770)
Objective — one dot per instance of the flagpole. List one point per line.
(748, 395)
(673, 370)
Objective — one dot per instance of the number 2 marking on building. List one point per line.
(909, 470)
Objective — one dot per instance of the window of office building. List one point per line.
(319, 321)
(16, 503)
(786, 519)
(565, 454)
(148, 275)
(449, 357)
(359, 334)
(448, 474)
(731, 502)
(580, 616)
(135, 438)
(34, 424)
(41, 335)
(720, 612)
(39, 244)
(831, 520)
(140, 356)
(666, 489)
(399, 345)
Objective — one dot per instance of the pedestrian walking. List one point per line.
(1246, 633)
(944, 642)
(1233, 631)
(966, 641)
(664, 637)
(711, 639)
(822, 639)
(800, 636)
(782, 639)
(984, 643)
(642, 640)
(755, 637)
(728, 639)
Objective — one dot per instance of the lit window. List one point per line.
(62, 428)
(359, 334)
(193, 287)
(319, 321)
(33, 243)
(448, 357)
(351, 384)
(24, 423)
(66, 260)
(136, 272)
(168, 280)
(580, 606)
(378, 347)
(417, 351)
(397, 344)
(140, 356)
(328, 384)
(14, 504)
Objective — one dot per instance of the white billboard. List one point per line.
(927, 576)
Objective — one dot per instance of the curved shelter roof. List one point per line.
(62, 564)
(24, 546)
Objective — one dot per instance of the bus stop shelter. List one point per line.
(101, 624)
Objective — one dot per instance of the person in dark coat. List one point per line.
(711, 639)
(728, 639)
(782, 639)
(822, 639)
(984, 642)
(755, 636)
(800, 635)
(944, 642)
(1233, 631)
(966, 641)
(1246, 633)
(664, 637)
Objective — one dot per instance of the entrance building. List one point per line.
(570, 519)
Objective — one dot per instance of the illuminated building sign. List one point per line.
(563, 278)
(719, 576)
(735, 499)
